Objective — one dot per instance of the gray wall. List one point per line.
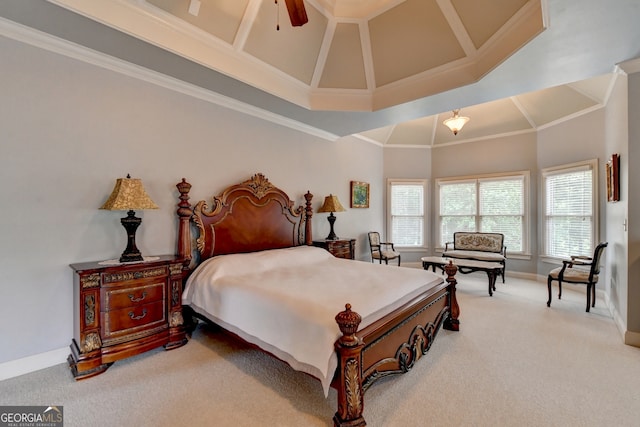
(633, 293)
(579, 139)
(69, 129)
(409, 163)
(617, 278)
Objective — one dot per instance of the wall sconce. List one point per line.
(128, 194)
(331, 204)
(456, 123)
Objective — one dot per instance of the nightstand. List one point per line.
(121, 310)
(340, 248)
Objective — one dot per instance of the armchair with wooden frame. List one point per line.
(382, 251)
(579, 270)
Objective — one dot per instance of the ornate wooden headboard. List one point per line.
(247, 217)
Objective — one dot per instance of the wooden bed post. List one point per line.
(452, 323)
(350, 391)
(184, 225)
(308, 234)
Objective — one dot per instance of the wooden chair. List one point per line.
(581, 270)
(382, 251)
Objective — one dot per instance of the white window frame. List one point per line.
(524, 175)
(560, 169)
(425, 198)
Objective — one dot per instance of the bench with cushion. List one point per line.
(488, 247)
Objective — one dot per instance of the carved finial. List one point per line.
(309, 210)
(451, 271)
(308, 195)
(348, 322)
(184, 207)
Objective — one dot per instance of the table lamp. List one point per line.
(331, 204)
(129, 195)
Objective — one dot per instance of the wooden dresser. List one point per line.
(124, 309)
(341, 248)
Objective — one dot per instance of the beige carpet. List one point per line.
(514, 362)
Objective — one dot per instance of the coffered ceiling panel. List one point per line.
(543, 110)
(410, 39)
(293, 50)
(417, 132)
(482, 19)
(344, 67)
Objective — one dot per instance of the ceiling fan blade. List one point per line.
(297, 13)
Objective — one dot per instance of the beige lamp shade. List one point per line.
(331, 204)
(128, 194)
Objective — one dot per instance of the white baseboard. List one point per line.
(33, 363)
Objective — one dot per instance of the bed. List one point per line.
(255, 273)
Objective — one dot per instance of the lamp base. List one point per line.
(131, 223)
(332, 219)
(131, 257)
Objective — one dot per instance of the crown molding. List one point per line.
(69, 49)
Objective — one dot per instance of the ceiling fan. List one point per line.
(297, 12)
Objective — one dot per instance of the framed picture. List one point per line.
(613, 178)
(359, 194)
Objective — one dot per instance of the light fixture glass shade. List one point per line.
(456, 123)
(331, 204)
(128, 194)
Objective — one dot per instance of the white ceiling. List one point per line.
(388, 70)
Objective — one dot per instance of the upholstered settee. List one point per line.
(478, 246)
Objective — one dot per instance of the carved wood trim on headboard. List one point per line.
(247, 217)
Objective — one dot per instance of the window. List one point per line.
(569, 209)
(490, 204)
(406, 221)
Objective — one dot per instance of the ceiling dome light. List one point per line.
(456, 122)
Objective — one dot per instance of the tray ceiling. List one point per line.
(509, 116)
(352, 55)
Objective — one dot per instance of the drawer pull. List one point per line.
(134, 299)
(134, 317)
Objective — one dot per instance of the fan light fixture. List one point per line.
(456, 123)
(297, 13)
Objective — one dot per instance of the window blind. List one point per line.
(569, 211)
(487, 204)
(407, 214)
(502, 210)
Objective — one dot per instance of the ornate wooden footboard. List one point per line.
(392, 345)
(254, 215)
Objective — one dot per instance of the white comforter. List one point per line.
(285, 300)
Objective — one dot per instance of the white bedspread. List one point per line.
(285, 300)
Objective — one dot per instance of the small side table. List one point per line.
(340, 248)
(123, 310)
